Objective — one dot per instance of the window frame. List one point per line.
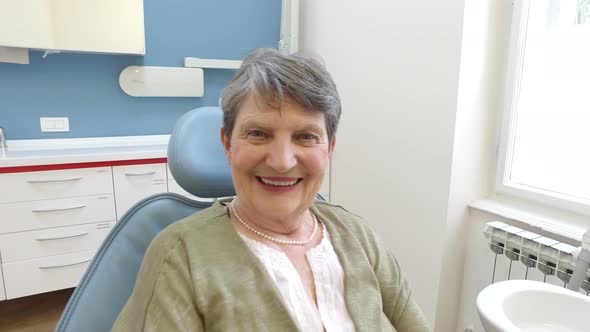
(503, 185)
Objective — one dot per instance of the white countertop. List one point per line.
(82, 150)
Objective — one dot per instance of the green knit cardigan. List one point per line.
(199, 275)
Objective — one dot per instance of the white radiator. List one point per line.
(518, 254)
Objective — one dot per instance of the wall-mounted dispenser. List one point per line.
(139, 81)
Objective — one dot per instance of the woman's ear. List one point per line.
(224, 141)
(332, 145)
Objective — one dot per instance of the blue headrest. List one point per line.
(196, 156)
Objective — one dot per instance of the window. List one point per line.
(545, 148)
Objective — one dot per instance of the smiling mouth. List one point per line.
(276, 183)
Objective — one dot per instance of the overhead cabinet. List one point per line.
(104, 26)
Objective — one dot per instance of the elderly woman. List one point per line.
(272, 258)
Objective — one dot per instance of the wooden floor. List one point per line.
(37, 313)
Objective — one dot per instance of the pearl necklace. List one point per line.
(274, 239)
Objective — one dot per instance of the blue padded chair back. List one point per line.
(197, 162)
(196, 156)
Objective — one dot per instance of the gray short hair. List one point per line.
(272, 76)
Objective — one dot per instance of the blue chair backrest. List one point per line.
(198, 164)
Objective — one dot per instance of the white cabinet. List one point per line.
(23, 216)
(33, 276)
(110, 26)
(32, 186)
(135, 182)
(51, 223)
(53, 241)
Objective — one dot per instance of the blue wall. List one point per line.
(85, 87)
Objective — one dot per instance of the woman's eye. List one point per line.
(309, 138)
(256, 135)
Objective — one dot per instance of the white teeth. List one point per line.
(278, 183)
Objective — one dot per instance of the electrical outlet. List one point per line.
(55, 124)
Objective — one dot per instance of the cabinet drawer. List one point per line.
(46, 274)
(136, 182)
(52, 241)
(30, 186)
(16, 217)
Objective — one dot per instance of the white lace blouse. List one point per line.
(331, 312)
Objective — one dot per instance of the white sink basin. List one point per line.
(532, 306)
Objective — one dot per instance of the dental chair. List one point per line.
(197, 161)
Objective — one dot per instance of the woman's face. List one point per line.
(278, 157)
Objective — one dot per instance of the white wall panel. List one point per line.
(396, 65)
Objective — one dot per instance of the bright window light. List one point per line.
(550, 130)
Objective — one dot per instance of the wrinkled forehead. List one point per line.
(257, 110)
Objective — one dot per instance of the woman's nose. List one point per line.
(281, 156)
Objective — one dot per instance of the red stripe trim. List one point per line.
(36, 168)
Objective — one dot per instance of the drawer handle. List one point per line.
(56, 180)
(140, 173)
(60, 237)
(60, 209)
(44, 267)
